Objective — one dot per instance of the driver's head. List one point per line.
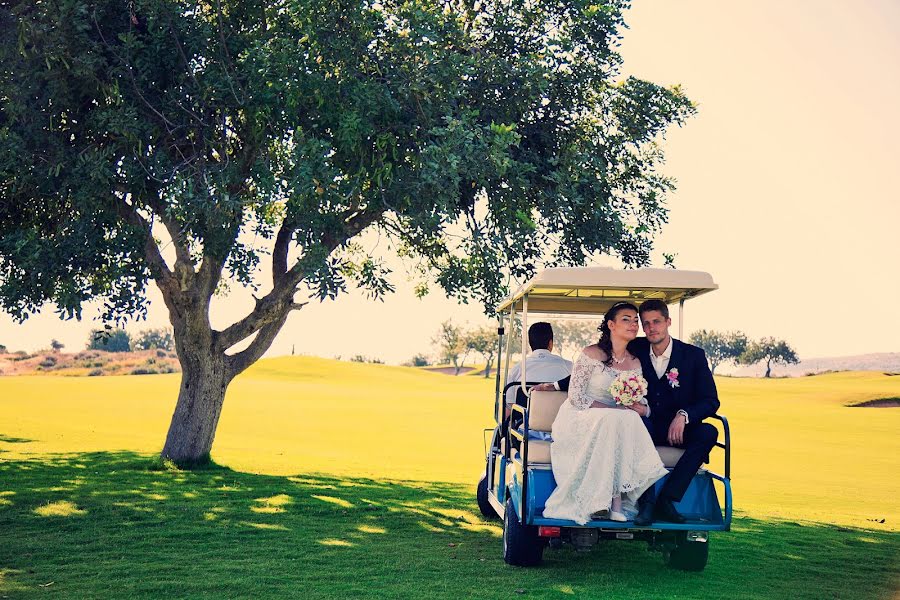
(540, 336)
(655, 320)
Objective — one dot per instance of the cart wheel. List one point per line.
(521, 545)
(688, 555)
(483, 504)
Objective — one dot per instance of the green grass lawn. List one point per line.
(106, 525)
(348, 480)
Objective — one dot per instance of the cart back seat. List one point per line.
(544, 406)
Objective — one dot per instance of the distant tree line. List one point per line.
(735, 347)
(119, 340)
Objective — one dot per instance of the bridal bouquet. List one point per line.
(628, 388)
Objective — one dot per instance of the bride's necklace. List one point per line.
(619, 361)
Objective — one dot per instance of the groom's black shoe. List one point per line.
(645, 515)
(665, 511)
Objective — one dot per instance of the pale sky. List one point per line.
(786, 193)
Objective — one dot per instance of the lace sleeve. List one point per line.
(581, 377)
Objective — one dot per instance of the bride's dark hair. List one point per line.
(605, 341)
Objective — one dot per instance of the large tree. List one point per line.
(192, 143)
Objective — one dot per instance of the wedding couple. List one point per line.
(603, 455)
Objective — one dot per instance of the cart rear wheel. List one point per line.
(484, 504)
(522, 546)
(688, 555)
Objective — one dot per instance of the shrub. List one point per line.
(161, 353)
(49, 361)
(144, 371)
(95, 372)
(111, 340)
(154, 338)
(419, 360)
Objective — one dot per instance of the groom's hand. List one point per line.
(676, 431)
(544, 387)
(639, 408)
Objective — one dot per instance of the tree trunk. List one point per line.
(200, 399)
(204, 379)
(768, 368)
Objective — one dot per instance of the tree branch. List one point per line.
(263, 341)
(284, 286)
(159, 270)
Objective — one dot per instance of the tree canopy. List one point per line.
(720, 346)
(770, 350)
(254, 140)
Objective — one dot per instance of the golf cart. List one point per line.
(518, 476)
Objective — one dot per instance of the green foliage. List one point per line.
(770, 350)
(56, 345)
(480, 140)
(719, 346)
(110, 340)
(162, 339)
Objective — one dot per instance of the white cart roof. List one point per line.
(593, 290)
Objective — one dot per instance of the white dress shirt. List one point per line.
(660, 363)
(540, 365)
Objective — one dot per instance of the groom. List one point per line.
(681, 393)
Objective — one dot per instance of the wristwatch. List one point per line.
(687, 419)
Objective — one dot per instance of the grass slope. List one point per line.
(349, 480)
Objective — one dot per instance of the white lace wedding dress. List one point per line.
(598, 452)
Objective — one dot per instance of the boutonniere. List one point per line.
(672, 376)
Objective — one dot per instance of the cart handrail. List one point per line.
(726, 446)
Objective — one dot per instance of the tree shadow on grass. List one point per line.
(120, 524)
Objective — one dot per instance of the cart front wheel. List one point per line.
(522, 546)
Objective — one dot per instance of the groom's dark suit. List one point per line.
(695, 394)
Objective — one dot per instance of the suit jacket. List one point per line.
(696, 392)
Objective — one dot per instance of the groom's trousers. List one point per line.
(698, 440)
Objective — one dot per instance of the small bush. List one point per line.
(95, 372)
(143, 371)
(151, 361)
(419, 360)
(49, 361)
(21, 355)
(161, 353)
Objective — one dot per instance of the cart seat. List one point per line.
(544, 406)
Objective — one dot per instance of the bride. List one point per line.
(602, 455)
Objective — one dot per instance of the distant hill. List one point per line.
(888, 362)
(89, 363)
